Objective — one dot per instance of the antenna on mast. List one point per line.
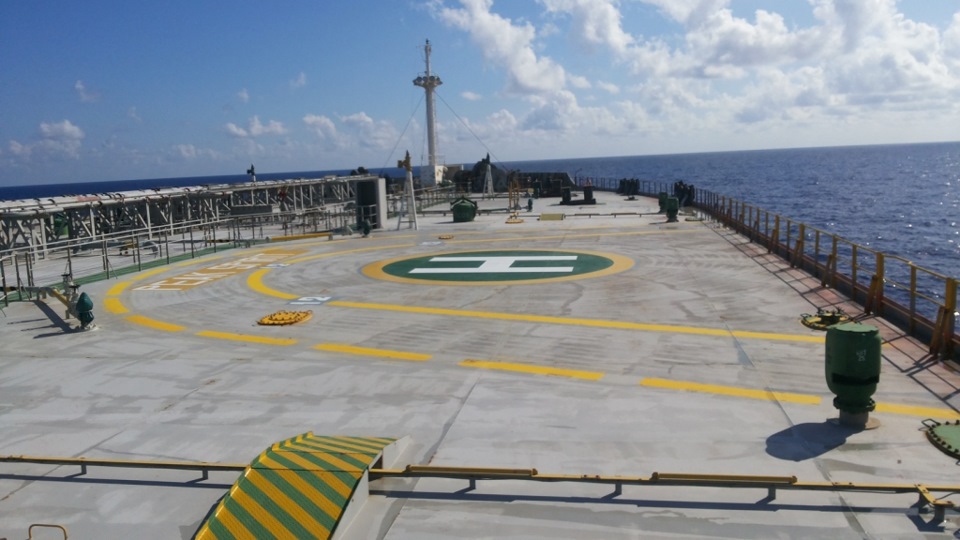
(429, 82)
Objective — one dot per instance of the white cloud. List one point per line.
(191, 152)
(596, 22)
(56, 139)
(133, 115)
(85, 96)
(19, 149)
(324, 128)
(609, 87)
(470, 96)
(951, 43)
(579, 82)
(369, 133)
(300, 81)
(858, 54)
(505, 45)
(236, 130)
(255, 128)
(64, 130)
(243, 95)
(354, 131)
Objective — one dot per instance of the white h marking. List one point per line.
(498, 265)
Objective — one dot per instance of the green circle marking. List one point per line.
(495, 267)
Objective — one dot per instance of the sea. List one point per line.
(901, 199)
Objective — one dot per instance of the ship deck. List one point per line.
(684, 355)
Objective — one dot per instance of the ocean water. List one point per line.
(900, 199)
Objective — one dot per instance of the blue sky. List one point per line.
(106, 90)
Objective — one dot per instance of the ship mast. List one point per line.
(429, 82)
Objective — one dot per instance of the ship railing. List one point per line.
(107, 255)
(923, 302)
(425, 198)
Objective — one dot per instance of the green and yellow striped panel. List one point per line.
(297, 488)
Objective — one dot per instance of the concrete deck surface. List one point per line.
(189, 375)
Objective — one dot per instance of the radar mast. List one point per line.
(429, 82)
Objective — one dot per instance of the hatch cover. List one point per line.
(945, 436)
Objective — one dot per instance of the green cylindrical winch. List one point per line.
(662, 199)
(463, 210)
(853, 369)
(673, 208)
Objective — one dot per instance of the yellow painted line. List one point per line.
(348, 251)
(118, 288)
(536, 370)
(255, 282)
(584, 235)
(924, 412)
(734, 391)
(255, 279)
(149, 273)
(155, 324)
(594, 323)
(113, 305)
(198, 260)
(367, 351)
(246, 338)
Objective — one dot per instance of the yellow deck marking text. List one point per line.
(219, 271)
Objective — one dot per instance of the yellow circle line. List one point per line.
(620, 264)
(255, 282)
(346, 252)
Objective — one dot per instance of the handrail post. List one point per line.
(913, 298)
(853, 272)
(798, 246)
(874, 303)
(775, 241)
(755, 220)
(766, 227)
(830, 272)
(3, 283)
(816, 252)
(948, 321)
